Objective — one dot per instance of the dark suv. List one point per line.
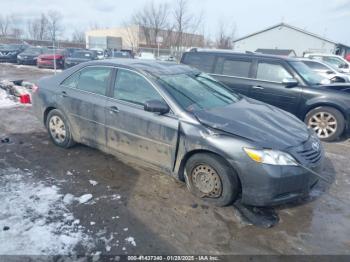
(283, 82)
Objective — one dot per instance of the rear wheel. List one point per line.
(327, 122)
(209, 177)
(59, 129)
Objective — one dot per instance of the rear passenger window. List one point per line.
(72, 81)
(272, 72)
(232, 67)
(203, 62)
(95, 79)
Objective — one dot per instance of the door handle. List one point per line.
(258, 87)
(113, 109)
(64, 94)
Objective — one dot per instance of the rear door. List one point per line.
(235, 72)
(133, 131)
(268, 86)
(83, 98)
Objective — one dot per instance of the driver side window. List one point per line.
(134, 88)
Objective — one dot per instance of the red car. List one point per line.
(347, 57)
(47, 60)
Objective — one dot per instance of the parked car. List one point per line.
(335, 60)
(120, 54)
(79, 57)
(168, 58)
(100, 54)
(30, 55)
(326, 71)
(70, 50)
(146, 56)
(8, 53)
(283, 82)
(48, 60)
(176, 118)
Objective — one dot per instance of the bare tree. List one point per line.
(185, 23)
(132, 35)
(94, 26)
(54, 24)
(78, 36)
(226, 34)
(152, 19)
(16, 26)
(5, 24)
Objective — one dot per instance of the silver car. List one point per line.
(326, 71)
(179, 120)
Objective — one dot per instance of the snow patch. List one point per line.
(85, 198)
(38, 220)
(6, 100)
(131, 240)
(93, 182)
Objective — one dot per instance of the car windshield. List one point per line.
(197, 92)
(307, 74)
(82, 55)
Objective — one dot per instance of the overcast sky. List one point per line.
(329, 18)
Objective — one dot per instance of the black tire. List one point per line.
(328, 111)
(58, 140)
(230, 185)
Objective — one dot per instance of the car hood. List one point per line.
(266, 125)
(51, 56)
(335, 87)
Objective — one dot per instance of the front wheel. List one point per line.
(59, 129)
(209, 177)
(327, 122)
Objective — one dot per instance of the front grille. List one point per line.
(308, 153)
(311, 155)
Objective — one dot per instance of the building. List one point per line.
(284, 36)
(135, 37)
(280, 52)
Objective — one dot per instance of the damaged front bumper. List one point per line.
(269, 185)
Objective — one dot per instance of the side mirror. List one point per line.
(156, 106)
(290, 82)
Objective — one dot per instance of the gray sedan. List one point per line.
(174, 117)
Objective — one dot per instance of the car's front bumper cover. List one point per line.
(274, 185)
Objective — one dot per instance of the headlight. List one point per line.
(271, 157)
(19, 57)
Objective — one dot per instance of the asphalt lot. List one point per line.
(133, 209)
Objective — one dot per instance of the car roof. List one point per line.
(153, 67)
(242, 54)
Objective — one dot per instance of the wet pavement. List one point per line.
(135, 209)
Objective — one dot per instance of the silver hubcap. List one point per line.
(57, 129)
(207, 181)
(324, 124)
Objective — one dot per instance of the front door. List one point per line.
(83, 96)
(268, 86)
(133, 131)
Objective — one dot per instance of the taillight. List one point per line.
(35, 88)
